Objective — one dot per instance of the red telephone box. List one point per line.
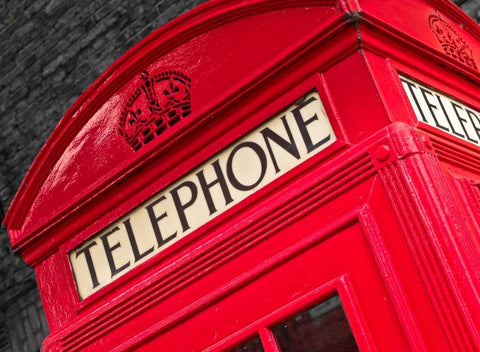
(267, 175)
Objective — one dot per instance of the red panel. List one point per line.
(284, 290)
(217, 61)
(237, 296)
(57, 296)
(424, 27)
(358, 101)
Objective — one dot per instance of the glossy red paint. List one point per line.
(387, 217)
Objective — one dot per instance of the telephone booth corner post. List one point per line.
(236, 183)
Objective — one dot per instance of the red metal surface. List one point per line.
(387, 216)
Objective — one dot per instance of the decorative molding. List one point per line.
(392, 281)
(371, 31)
(106, 85)
(227, 251)
(160, 102)
(160, 42)
(164, 284)
(425, 245)
(456, 154)
(452, 43)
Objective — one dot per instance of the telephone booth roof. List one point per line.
(221, 54)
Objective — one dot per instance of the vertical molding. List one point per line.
(268, 340)
(469, 193)
(392, 281)
(431, 223)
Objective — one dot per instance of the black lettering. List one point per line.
(155, 219)
(289, 146)
(133, 242)
(410, 88)
(448, 119)
(263, 163)
(477, 129)
(432, 108)
(88, 258)
(462, 120)
(302, 126)
(178, 203)
(206, 186)
(109, 250)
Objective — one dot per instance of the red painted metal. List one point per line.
(387, 217)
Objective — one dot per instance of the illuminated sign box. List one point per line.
(274, 148)
(443, 112)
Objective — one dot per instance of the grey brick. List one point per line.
(53, 65)
(25, 29)
(93, 33)
(33, 317)
(34, 7)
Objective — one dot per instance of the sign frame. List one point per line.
(167, 259)
(443, 99)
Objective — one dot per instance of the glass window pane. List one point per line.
(253, 345)
(321, 328)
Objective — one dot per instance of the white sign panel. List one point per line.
(274, 148)
(442, 112)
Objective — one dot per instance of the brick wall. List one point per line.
(471, 7)
(23, 322)
(50, 52)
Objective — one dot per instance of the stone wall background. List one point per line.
(50, 52)
(471, 7)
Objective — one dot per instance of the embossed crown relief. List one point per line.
(453, 44)
(160, 102)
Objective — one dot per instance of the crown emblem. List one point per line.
(452, 43)
(160, 102)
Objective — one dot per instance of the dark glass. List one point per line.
(323, 328)
(253, 345)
